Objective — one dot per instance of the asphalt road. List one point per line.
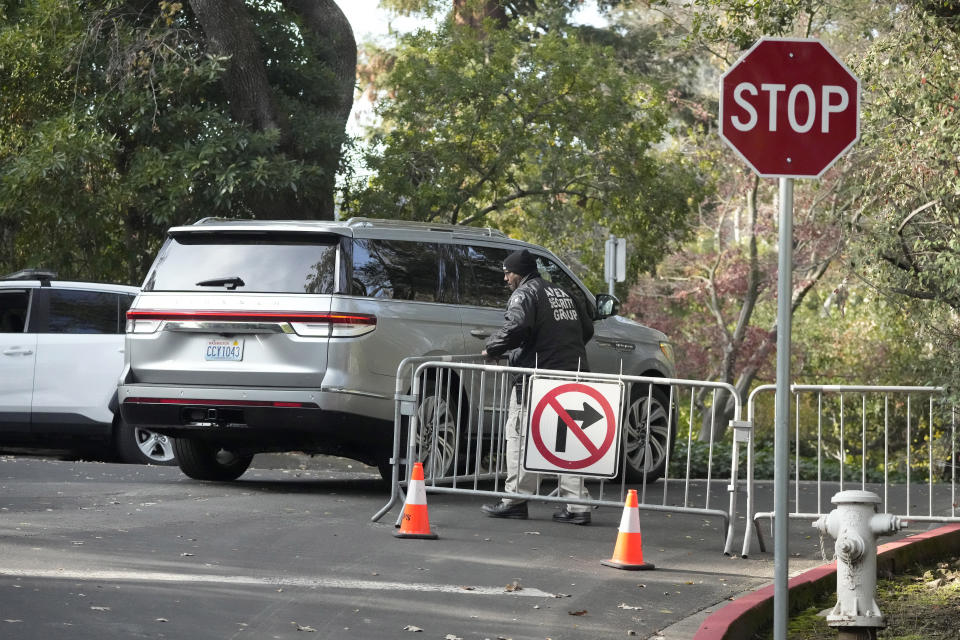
(95, 551)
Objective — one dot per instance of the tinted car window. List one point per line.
(13, 311)
(552, 272)
(481, 276)
(74, 311)
(400, 270)
(246, 263)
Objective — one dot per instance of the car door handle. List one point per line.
(18, 352)
(479, 333)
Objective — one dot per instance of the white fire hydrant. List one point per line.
(856, 525)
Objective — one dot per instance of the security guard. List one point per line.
(546, 328)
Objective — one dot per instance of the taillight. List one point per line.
(341, 325)
(316, 325)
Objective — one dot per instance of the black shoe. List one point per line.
(506, 510)
(572, 517)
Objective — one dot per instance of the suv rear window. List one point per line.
(247, 263)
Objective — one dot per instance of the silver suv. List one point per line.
(256, 336)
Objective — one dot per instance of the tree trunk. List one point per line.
(472, 13)
(725, 402)
(8, 236)
(338, 52)
(715, 422)
(230, 32)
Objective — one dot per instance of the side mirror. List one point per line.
(607, 305)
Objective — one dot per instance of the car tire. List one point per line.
(643, 457)
(136, 445)
(439, 410)
(204, 461)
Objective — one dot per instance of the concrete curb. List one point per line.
(744, 616)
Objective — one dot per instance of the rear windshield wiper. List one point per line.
(230, 283)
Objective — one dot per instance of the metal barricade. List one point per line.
(894, 437)
(451, 414)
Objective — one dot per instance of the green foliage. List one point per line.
(909, 174)
(114, 126)
(857, 335)
(534, 130)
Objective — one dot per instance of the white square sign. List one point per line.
(573, 427)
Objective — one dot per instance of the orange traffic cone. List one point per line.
(628, 554)
(415, 523)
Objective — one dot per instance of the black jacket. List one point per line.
(544, 327)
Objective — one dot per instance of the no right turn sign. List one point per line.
(574, 427)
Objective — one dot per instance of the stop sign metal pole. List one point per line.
(781, 451)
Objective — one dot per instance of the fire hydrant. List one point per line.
(856, 525)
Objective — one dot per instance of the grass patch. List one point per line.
(921, 604)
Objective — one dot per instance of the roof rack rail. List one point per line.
(431, 226)
(210, 219)
(43, 275)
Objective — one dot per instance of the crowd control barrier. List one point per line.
(898, 441)
(451, 412)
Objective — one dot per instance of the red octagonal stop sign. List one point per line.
(789, 108)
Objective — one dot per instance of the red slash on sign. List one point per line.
(595, 408)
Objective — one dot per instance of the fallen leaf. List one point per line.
(624, 605)
(582, 612)
(513, 586)
(410, 627)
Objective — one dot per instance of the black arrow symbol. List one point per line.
(586, 417)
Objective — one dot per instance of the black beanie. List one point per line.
(520, 262)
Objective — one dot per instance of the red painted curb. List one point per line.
(745, 615)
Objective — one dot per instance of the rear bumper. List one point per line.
(255, 420)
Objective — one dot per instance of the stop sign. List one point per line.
(789, 108)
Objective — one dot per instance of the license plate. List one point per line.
(224, 349)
